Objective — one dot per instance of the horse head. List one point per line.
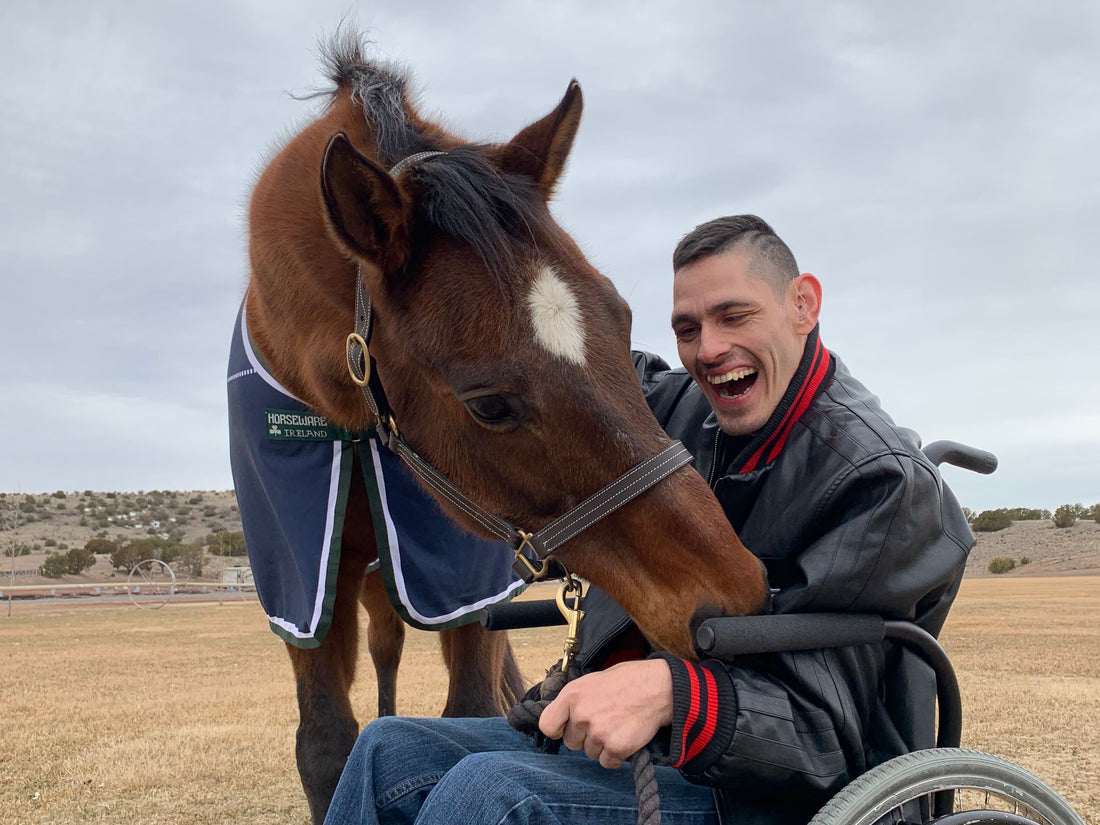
(504, 354)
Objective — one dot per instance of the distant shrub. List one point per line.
(1065, 516)
(225, 543)
(55, 566)
(58, 494)
(1024, 560)
(76, 560)
(51, 542)
(125, 557)
(1001, 565)
(195, 499)
(80, 560)
(990, 521)
(191, 558)
(101, 547)
(1096, 513)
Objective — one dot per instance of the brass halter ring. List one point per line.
(353, 339)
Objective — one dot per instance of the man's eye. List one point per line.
(491, 409)
(684, 333)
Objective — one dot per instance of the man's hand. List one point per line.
(613, 713)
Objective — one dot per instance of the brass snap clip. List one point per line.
(572, 616)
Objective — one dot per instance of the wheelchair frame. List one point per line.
(928, 780)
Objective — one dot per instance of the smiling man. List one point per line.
(840, 505)
(741, 313)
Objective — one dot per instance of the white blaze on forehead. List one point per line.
(558, 323)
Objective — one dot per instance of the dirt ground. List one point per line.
(187, 714)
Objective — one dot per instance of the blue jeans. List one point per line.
(482, 772)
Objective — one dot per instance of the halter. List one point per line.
(533, 550)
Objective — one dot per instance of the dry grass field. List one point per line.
(187, 714)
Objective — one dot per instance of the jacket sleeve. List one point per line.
(808, 722)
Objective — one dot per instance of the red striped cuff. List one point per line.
(704, 713)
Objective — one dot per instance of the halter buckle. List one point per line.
(525, 541)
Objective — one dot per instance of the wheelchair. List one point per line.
(944, 785)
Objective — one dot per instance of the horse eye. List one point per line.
(491, 409)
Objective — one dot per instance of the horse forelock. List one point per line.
(461, 192)
(499, 215)
(381, 89)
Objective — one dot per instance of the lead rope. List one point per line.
(524, 715)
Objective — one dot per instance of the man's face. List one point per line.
(740, 342)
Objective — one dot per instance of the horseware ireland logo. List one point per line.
(291, 425)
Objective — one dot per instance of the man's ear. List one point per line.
(805, 292)
(540, 150)
(367, 212)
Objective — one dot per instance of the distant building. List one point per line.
(238, 576)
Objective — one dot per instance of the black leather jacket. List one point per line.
(847, 515)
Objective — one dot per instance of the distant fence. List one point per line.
(46, 591)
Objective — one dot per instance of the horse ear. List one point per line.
(367, 211)
(541, 150)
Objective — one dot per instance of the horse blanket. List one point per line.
(292, 472)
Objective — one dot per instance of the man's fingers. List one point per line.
(609, 760)
(553, 719)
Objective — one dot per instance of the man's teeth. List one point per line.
(735, 375)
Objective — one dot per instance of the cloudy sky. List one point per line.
(933, 163)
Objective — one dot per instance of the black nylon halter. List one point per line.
(533, 550)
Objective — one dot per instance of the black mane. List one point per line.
(461, 193)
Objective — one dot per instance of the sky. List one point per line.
(933, 164)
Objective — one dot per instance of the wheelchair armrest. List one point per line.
(732, 636)
(728, 637)
(520, 614)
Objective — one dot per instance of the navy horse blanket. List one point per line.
(292, 472)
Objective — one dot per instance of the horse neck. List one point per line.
(301, 288)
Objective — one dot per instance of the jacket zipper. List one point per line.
(714, 459)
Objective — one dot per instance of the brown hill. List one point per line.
(1052, 551)
(48, 523)
(56, 522)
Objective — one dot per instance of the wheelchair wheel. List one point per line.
(993, 789)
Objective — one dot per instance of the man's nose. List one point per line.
(712, 346)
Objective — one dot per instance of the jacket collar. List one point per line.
(813, 376)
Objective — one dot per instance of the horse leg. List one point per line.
(327, 727)
(385, 640)
(484, 677)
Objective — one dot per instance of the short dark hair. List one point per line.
(724, 234)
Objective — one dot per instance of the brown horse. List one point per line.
(505, 357)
